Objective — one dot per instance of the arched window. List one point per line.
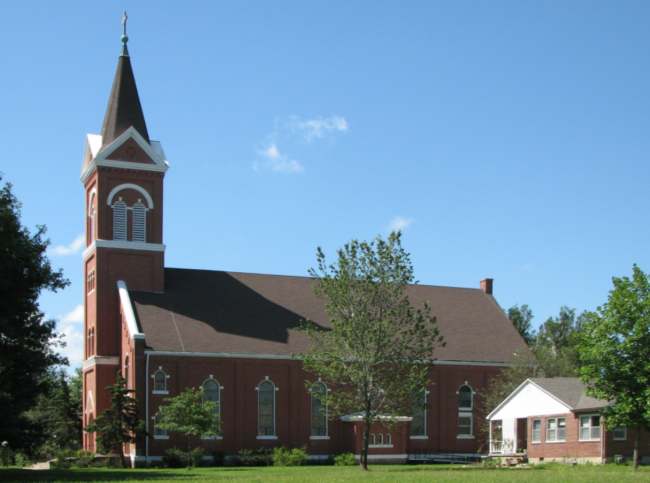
(266, 408)
(318, 409)
(388, 440)
(139, 221)
(158, 432)
(419, 421)
(119, 220)
(92, 218)
(212, 392)
(126, 369)
(465, 411)
(160, 381)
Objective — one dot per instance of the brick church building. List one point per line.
(235, 334)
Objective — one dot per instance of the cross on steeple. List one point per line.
(125, 38)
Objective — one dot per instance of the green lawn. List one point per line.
(396, 473)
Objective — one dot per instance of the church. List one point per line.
(236, 334)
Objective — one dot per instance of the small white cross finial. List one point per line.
(125, 18)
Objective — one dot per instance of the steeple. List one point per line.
(124, 109)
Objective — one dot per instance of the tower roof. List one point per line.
(124, 109)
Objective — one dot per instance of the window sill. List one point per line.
(160, 437)
(592, 440)
(373, 446)
(465, 436)
(556, 441)
(319, 438)
(266, 437)
(163, 393)
(419, 437)
(615, 439)
(211, 438)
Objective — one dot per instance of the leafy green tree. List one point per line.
(56, 416)
(191, 415)
(378, 349)
(120, 423)
(556, 343)
(614, 352)
(522, 317)
(28, 341)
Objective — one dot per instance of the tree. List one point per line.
(28, 341)
(378, 349)
(120, 423)
(614, 353)
(556, 343)
(56, 417)
(522, 317)
(190, 414)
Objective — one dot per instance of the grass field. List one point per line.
(396, 473)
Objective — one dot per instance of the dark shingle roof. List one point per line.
(215, 311)
(570, 390)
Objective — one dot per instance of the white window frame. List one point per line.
(220, 388)
(160, 370)
(275, 426)
(164, 434)
(465, 412)
(124, 223)
(135, 229)
(619, 438)
(591, 427)
(532, 430)
(556, 437)
(425, 411)
(311, 408)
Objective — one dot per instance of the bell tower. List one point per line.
(122, 175)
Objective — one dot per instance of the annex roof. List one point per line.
(570, 390)
(203, 311)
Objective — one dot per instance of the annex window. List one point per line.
(212, 393)
(318, 393)
(590, 427)
(619, 433)
(465, 412)
(556, 429)
(139, 212)
(266, 409)
(119, 220)
(536, 434)
(158, 432)
(419, 421)
(160, 381)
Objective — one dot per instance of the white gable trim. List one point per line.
(127, 310)
(518, 390)
(130, 186)
(122, 245)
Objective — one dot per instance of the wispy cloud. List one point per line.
(73, 247)
(71, 328)
(277, 161)
(399, 223)
(318, 127)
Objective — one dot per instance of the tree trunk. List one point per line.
(635, 455)
(121, 453)
(187, 454)
(366, 440)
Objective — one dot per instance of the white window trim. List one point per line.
(426, 419)
(590, 427)
(624, 438)
(216, 436)
(130, 186)
(319, 438)
(153, 376)
(275, 428)
(557, 429)
(532, 430)
(158, 436)
(470, 415)
(311, 402)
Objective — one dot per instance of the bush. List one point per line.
(289, 457)
(84, 459)
(21, 459)
(345, 459)
(196, 456)
(217, 458)
(6, 455)
(258, 457)
(175, 458)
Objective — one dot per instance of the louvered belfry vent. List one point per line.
(139, 221)
(119, 220)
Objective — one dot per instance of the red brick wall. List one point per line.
(572, 448)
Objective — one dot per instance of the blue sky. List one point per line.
(508, 139)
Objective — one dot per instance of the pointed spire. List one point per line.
(124, 109)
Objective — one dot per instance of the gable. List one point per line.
(528, 400)
(130, 151)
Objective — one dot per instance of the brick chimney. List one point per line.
(486, 285)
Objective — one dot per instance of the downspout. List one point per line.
(146, 411)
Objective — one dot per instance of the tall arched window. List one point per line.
(318, 409)
(119, 220)
(465, 411)
(158, 432)
(266, 408)
(126, 369)
(92, 218)
(160, 381)
(212, 392)
(419, 421)
(139, 221)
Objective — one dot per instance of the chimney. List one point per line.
(486, 285)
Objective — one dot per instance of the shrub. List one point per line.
(196, 456)
(174, 458)
(289, 457)
(345, 459)
(6, 455)
(258, 457)
(217, 458)
(21, 459)
(84, 459)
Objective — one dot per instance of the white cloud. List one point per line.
(71, 328)
(399, 223)
(318, 127)
(74, 247)
(277, 161)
